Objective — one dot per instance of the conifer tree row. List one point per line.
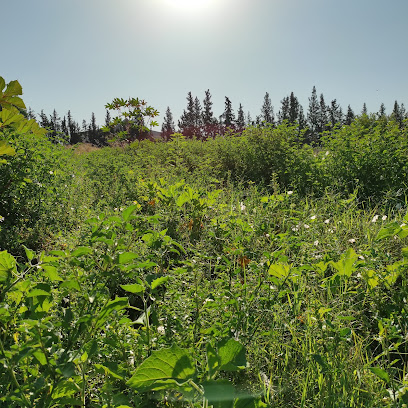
(198, 119)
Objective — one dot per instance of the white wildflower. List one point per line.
(384, 217)
(313, 217)
(352, 241)
(161, 330)
(316, 243)
(1, 218)
(51, 172)
(375, 218)
(267, 235)
(295, 229)
(361, 257)
(327, 221)
(327, 153)
(306, 226)
(289, 192)
(242, 206)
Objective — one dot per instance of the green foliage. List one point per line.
(370, 156)
(133, 122)
(244, 271)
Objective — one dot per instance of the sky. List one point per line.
(79, 55)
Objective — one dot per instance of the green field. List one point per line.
(248, 270)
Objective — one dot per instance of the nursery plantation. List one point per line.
(247, 270)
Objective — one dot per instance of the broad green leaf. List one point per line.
(37, 292)
(213, 361)
(134, 288)
(219, 393)
(142, 319)
(81, 251)
(68, 370)
(126, 257)
(280, 271)
(13, 88)
(159, 281)
(40, 356)
(127, 212)
(51, 272)
(164, 369)
(65, 388)
(7, 265)
(29, 253)
(117, 304)
(371, 278)
(58, 253)
(388, 231)
(405, 252)
(404, 232)
(380, 373)
(108, 371)
(6, 149)
(10, 116)
(2, 83)
(231, 354)
(16, 101)
(345, 265)
(70, 284)
(392, 273)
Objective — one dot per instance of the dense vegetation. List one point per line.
(247, 270)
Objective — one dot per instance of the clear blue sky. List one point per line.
(80, 54)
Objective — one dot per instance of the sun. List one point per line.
(189, 5)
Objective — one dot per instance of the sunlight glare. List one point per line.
(189, 5)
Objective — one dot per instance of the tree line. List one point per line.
(198, 119)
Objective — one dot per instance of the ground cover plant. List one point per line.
(244, 271)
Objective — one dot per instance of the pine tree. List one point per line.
(283, 113)
(44, 122)
(73, 130)
(55, 122)
(267, 110)
(313, 117)
(64, 127)
(323, 115)
(30, 113)
(335, 114)
(107, 118)
(186, 122)
(249, 121)
(349, 116)
(381, 113)
(364, 110)
(240, 118)
(93, 131)
(210, 126)
(302, 123)
(294, 107)
(228, 115)
(168, 127)
(398, 114)
(198, 118)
